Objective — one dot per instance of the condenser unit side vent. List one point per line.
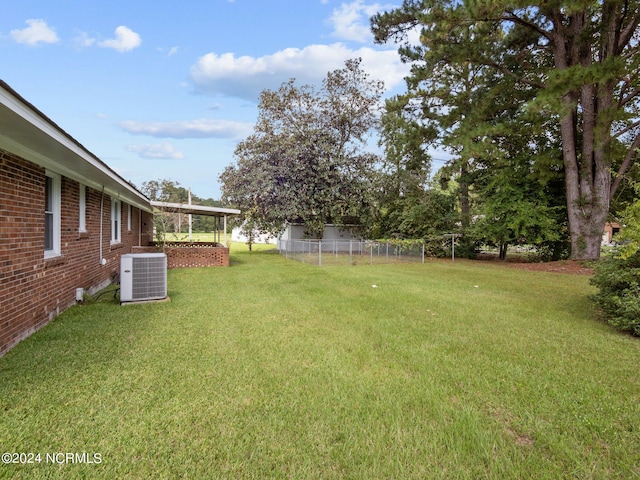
(143, 277)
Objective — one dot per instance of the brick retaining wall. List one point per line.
(190, 254)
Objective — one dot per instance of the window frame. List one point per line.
(82, 206)
(53, 199)
(116, 221)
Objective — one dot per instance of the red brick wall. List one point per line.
(33, 290)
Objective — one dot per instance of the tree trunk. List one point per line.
(586, 162)
(587, 202)
(587, 213)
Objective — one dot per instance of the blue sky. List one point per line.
(160, 89)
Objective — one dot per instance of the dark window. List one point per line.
(48, 214)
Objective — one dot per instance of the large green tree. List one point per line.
(306, 160)
(578, 62)
(402, 183)
(516, 170)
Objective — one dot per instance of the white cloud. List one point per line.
(157, 151)
(124, 41)
(84, 40)
(351, 20)
(202, 128)
(245, 76)
(37, 32)
(169, 52)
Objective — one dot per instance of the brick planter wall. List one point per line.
(190, 254)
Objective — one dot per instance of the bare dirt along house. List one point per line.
(65, 219)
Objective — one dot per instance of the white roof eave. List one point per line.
(29, 134)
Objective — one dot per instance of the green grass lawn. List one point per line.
(196, 236)
(277, 369)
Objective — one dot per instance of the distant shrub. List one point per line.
(618, 280)
(437, 247)
(467, 248)
(551, 251)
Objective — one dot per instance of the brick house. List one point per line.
(65, 219)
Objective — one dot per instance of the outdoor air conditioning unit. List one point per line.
(143, 277)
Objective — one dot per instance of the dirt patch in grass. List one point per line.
(563, 266)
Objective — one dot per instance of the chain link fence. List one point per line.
(351, 252)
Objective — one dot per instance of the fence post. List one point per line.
(320, 253)
(423, 252)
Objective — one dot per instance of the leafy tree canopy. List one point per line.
(305, 161)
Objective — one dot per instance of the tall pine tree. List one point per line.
(578, 60)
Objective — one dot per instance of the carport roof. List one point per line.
(194, 209)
